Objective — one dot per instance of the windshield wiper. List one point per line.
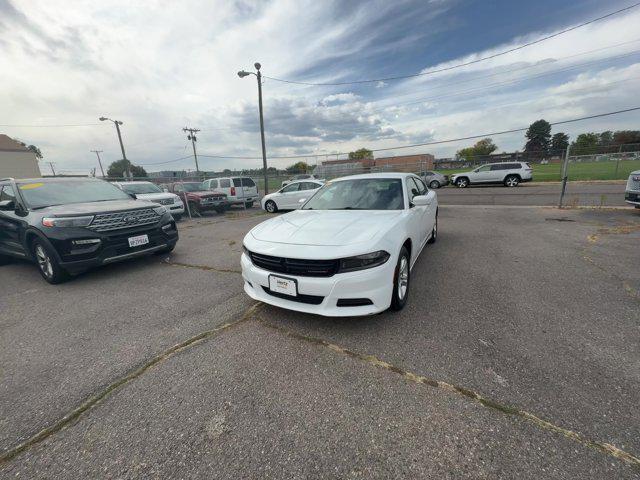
(348, 208)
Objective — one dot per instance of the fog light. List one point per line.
(168, 226)
(89, 241)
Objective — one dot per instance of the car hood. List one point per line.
(207, 194)
(155, 196)
(96, 207)
(326, 227)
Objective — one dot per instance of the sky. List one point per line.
(159, 66)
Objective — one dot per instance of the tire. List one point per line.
(221, 210)
(434, 185)
(271, 206)
(462, 182)
(248, 204)
(401, 280)
(47, 263)
(511, 181)
(434, 232)
(4, 259)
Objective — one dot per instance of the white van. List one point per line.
(239, 190)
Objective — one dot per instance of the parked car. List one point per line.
(288, 197)
(153, 193)
(200, 199)
(510, 174)
(68, 225)
(632, 192)
(435, 180)
(348, 251)
(302, 176)
(239, 190)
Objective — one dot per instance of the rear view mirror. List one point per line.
(7, 205)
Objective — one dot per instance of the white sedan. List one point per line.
(289, 197)
(348, 251)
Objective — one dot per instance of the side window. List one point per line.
(412, 188)
(225, 183)
(213, 183)
(247, 182)
(421, 186)
(497, 167)
(178, 188)
(293, 187)
(6, 193)
(485, 168)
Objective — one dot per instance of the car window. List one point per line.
(225, 183)
(498, 166)
(243, 182)
(140, 188)
(178, 188)
(292, 187)
(7, 193)
(359, 194)
(62, 192)
(428, 174)
(423, 188)
(412, 188)
(485, 168)
(213, 183)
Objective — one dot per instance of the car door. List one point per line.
(10, 224)
(498, 172)
(419, 216)
(482, 174)
(289, 196)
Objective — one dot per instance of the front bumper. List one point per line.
(113, 246)
(632, 198)
(176, 208)
(375, 284)
(242, 200)
(214, 205)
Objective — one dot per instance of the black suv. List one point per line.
(68, 225)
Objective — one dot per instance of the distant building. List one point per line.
(16, 160)
(402, 163)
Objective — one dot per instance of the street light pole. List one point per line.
(258, 75)
(127, 163)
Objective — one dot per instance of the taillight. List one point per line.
(233, 191)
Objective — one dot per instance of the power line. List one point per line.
(438, 142)
(167, 161)
(452, 67)
(52, 126)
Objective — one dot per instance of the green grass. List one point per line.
(577, 171)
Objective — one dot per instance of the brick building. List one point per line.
(402, 163)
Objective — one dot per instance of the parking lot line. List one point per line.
(458, 390)
(200, 267)
(93, 401)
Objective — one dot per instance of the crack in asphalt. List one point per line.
(200, 267)
(603, 447)
(94, 400)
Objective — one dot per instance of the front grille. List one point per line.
(164, 201)
(105, 222)
(308, 299)
(634, 183)
(295, 266)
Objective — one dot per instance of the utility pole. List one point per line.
(52, 170)
(192, 137)
(98, 152)
(565, 168)
(117, 123)
(258, 75)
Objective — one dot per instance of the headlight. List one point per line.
(361, 262)
(177, 201)
(67, 221)
(161, 210)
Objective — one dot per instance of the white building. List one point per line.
(16, 160)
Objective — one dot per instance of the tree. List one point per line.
(117, 169)
(585, 144)
(299, 167)
(559, 143)
(481, 148)
(538, 139)
(606, 138)
(36, 151)
(361, 154)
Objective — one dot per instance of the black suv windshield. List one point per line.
(44, 194)
(359, 194)
(140, 188)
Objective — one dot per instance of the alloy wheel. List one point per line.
(44, 262)
(403, 278)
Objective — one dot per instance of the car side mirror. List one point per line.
(133, 195)
(423, 200)
(8, 205)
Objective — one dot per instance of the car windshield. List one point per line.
(359, 194)
(193, 187)
(45, 194)
(140, 188)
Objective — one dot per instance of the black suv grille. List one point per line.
(105, 222)
(295, 266)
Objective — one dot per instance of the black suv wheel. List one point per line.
(48, 266)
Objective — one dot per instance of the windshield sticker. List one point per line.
(31, 186)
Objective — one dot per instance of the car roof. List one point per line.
(376, 175)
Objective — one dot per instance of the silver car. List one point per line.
(632, 192)
(435, 179)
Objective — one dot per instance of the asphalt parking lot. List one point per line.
(516, 357)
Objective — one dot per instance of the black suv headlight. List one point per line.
(362, 262)
(67, 221)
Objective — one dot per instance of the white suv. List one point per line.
(510, 174)
(632, 192)
(152, 192)
(239, 190)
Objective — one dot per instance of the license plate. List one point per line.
(139, 240)
(287, 286)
